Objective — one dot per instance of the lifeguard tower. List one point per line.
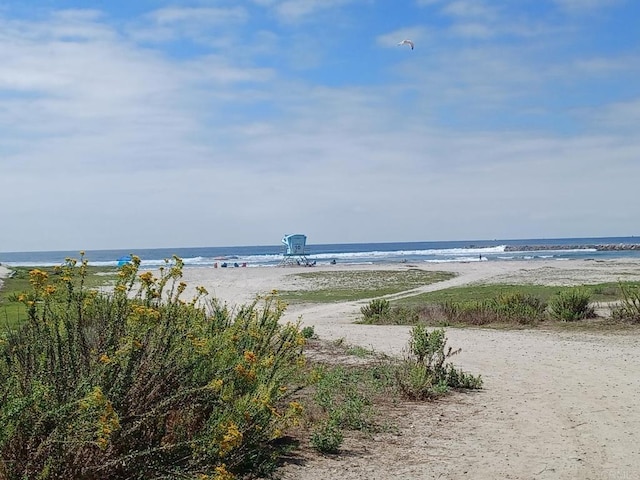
(294, 246)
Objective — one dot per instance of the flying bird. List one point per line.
(406, 42)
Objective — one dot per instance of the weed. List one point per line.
(426, 373)
(359, 351)
(308, 332)
(327, 437)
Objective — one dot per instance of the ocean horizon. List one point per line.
(594, 248)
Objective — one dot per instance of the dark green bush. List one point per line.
(141, 384)
(571, 305)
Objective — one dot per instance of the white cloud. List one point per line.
(111, 141)
(586, 6)
(207, 15)
(470, 9)
(293, 11)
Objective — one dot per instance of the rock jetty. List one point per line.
(601, 247)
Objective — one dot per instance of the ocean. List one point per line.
(356, 253)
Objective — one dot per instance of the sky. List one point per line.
(147, 123)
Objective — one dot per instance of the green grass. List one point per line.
(13, 312)
(328, 287)
(604, 292)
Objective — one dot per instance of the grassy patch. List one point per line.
(514, 306)
(327, 287)
(345, 396)
(13, 312)
(604, 292)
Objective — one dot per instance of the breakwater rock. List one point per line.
(600, 248)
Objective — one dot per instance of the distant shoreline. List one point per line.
(607, 247)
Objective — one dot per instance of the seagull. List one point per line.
(406, 42)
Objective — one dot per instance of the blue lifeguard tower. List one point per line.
(294, 246)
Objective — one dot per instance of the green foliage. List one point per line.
(327, 437)
(330, 286)
(308, 332)
(339, 393)
(426, 373)
(604, 292)
(139, 383)
(344, 398)
(13, 312)
(377, 308)
(506, 307)
(629, 308)
(571, 305)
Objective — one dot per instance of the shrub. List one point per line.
(327, 438)
(571, 305)
(629, 308)
(518, 307)
(141, 384)
(426, 373)
(513, 307)
(308, 332)
(376, 308)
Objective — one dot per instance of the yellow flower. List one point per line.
(232, 438)
(147, 278)
(215, 385)
(202, 291)
(296, 407)
(249, 356)
(49, 290)
(243, 372)
(104, 358)
(37, 278)
(268, 362)
(221, 473)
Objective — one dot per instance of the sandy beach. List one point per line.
(555, 405)
(4, 271)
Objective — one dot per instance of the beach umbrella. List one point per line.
(124, 260)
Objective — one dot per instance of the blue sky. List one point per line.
(140, 124)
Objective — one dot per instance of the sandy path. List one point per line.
(554, 405)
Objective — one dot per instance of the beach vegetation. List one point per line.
(602, 292)
(512, 305)
(13, 312)
(308, 332)
(342, 286)
(426, 372)
(571, 305)
(137, 382)
(346, 397)
(378, 307)
(628, 309)
(140, 383)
